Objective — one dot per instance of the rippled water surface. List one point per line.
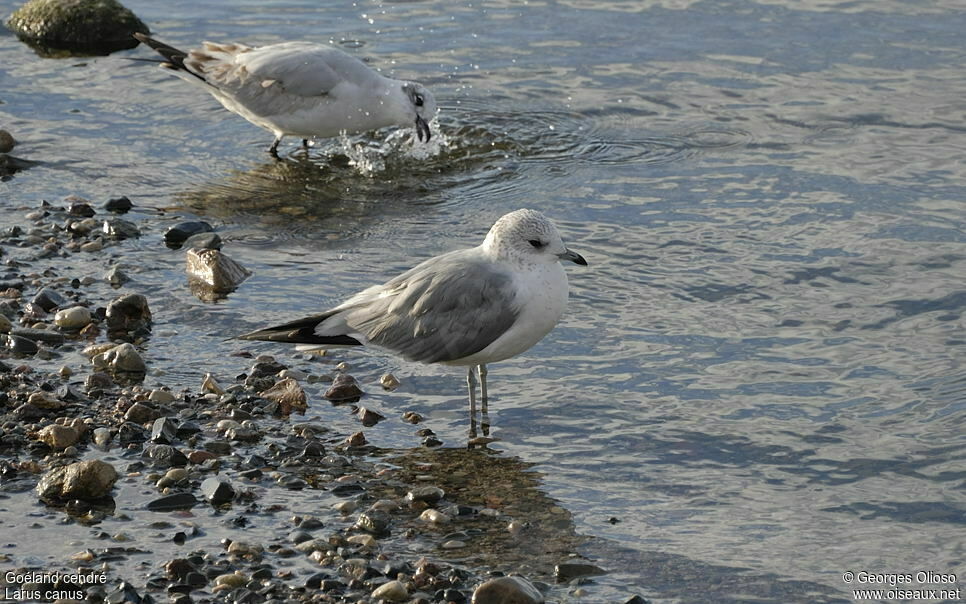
(759, 383)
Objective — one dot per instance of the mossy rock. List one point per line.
(57, 27)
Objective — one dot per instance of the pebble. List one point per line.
(213, 272)
(346, 507)
(141, 414)
(434, 516)
(164, 431)
(507, 590)
(288, 395)
(76, 317)
(95, 245)
(59, 437)
(217, 491)
(373, 521)
(5, 324)
(394, 591)
(116, 277)
(344, 388)
(368, 417)
(567, 571)
(176, 235)
(119, 229)
(176, 501)
(210, 241)
(128, 313)
(363, 540)
(389, 382)
(428, 494)
(210, 384)
(123, 358)
(165, 456)
(86, 480)
(163, 397)
(7, 142)
(118, 205)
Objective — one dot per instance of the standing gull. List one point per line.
(300, 88)
(467, 307)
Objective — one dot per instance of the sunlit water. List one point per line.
(760, 375)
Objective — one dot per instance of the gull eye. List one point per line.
(418, 100)
(536, 243)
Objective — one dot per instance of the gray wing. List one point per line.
(444, 309)
(304, 69)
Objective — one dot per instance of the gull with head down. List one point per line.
(467, 307)
(300, 88)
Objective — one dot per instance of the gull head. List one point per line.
(422, 108)
(528, 237)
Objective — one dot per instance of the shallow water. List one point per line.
(760, 375)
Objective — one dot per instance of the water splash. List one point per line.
(370, 157)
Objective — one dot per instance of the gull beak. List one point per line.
(573, 257)
(422, 129)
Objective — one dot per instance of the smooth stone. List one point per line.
(5, 324)
(102, 437)
(76, 317)
(162, 397)
(217, 491)
(567, 571)
(7, 142)
(80, 26)
(507, 590)
(124, 358)
(368, 417)
(177, 501)
(434, 516)
(116, 277)
(90, 479)
(179, 233)
(428, 494)
(394, 591)
(45, 336)
(80, 207)
(206, 241)
(20, 346)
(119, 205)
(120, 229)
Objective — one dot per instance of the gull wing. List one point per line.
(445, 309)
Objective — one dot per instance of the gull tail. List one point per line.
(174, 58)
(301, 331)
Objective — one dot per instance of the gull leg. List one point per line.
(273, 150)
(471, 386)
(305, 144)
(484, 410)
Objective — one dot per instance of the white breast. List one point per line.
(542, 297)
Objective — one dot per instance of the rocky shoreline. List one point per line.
(210, 485)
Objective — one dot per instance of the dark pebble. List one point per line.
(567, 571)
(175, 236)
(165, 456)
(451, 595)
(20, 346)
(330, 585)
(80, 208)
(373, 521)
(139, 413)
(218, 447)
(123, 593)
(128, 313)
(129, 432)
(28, 412)
(119, 205)
(297, 537)
(344, 389)
(208, 241)
(48, 299)
(254, 474)
(368, 417)
(432, 441)
(635, 600)
(217, 491)
(118, 229)
(187, 429)
(177, 501)
(164, 431)
(40, 335)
